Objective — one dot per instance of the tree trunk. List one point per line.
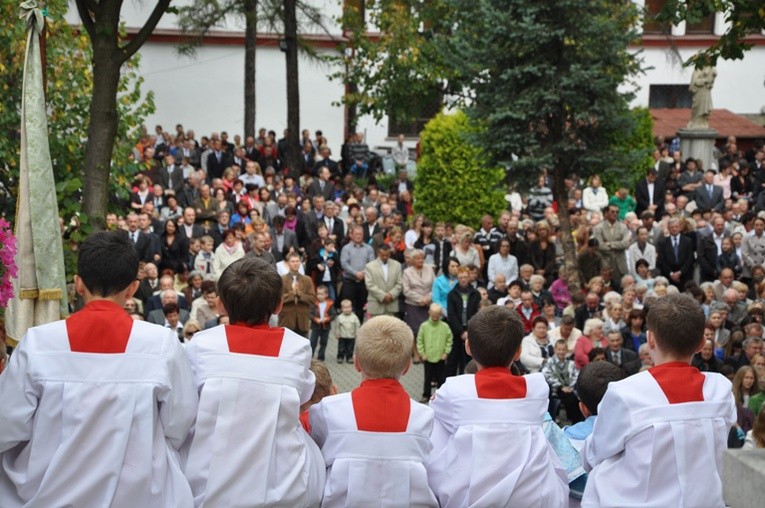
(293, 91)
(102, 131)
(250, 40)
(565, 236)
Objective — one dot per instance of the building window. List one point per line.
(669, 96)
(650, 25)
(705, 26)
(426, 108)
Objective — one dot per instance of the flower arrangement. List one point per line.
(8, 269)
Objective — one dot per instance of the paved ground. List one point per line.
(346, 378)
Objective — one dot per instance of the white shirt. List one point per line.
(650, 192)
(385, 271)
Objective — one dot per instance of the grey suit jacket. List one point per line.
(378, 286)
(704, 202)
(158, 317)
(290, 239)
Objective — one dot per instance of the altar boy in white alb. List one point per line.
(489, 448)
(375, 438)
(95, 407)
(660, 434)
(248, 448)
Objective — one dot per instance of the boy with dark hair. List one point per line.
(665, 428)
(475, 413)
(248, 444)
(375, 438)
(96, 406)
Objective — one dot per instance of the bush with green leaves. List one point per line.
(455, 182)
(636, 149)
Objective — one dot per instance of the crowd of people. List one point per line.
(199, 206)
(344, 255)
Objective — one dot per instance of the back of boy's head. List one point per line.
(250, 290)
(107, 262)
(384, 347)
(323, 381)
(494, 335)
(677, 324)
(592, 383)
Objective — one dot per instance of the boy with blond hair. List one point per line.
(490, 445)
(248, 447)
(375, 439)
(665, 428)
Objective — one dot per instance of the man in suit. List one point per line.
(335, 226)
(190, 191)
(298, 296)
(623, 358)
(187, 227)
(167, 297)
(325, 162)
(143, 243)
(282, 239)
(322, 186)
(709, 196)
(171, 176)
(649, 194)
(313, 216)
(710, 247)
(371, 227)
(613, 241)
(592, 308)
(149, 284)
(384, 283)
(675, 256)
(217, 161)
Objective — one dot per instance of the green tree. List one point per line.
(455, 181)
(744, 17)
(69, 85)
(398, 71)
(544, 79)
(110, 52)
(634, 150)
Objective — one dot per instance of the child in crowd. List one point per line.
(346, 326)
(434, 343)
(255, 378)
(322, 314)
(591, 386)
(95, 407)
(665, 428)
(324, 387)
(375, 438)
(489, 444)
(561, 374)
(204, 259)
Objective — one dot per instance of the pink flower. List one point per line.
(8, 268)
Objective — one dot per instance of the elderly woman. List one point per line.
(227, 252)
(592, 337)
(418, 282)
(464, 252)
(536, 347)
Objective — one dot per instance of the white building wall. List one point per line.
(206, 92)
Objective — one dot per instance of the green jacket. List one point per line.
(434, 339)
(624, 205)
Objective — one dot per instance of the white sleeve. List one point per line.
(317, 418)
(608, 436)
(19, 398)
(308, 383)
(178, 406)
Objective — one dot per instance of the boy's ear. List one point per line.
(650, 339)
(467, 346)
(131, 289)
(585, 412)
(408, 366)
(278, 307)
(517, 355)
(356, 364)
(79, 286)
(219, 308)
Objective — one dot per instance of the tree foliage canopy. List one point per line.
(69, 85)
(743, 18)
(546, 78)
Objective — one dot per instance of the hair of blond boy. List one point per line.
(323, 381)
(384, 347)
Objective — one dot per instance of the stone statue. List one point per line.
(701, 86)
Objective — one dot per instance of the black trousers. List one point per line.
(319, 336)
(433, 372)
(457, 359)
(345, 348)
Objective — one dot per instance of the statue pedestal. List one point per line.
(698, 143)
